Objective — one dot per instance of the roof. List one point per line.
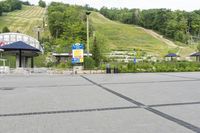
(171, 55)
(7, 38)
(195, 54)
(19, 45)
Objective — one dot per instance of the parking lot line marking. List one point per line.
(180, 76)
(67, 111)
(170, 81)
(176, 120)
(115, 93)
(174, 104)
(141, 105)
(44, 86)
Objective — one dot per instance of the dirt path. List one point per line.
(161, 38)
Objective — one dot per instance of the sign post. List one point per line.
(77, 57)
(77, 53)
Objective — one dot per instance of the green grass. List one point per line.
(23, 20)
(127, 37)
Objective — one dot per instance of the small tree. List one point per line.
(1, 9)
(96, 53)
(42, 3)
(198, 47)
(5, 30)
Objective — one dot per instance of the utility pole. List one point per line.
(88, 38)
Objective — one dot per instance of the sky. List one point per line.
(188, 5)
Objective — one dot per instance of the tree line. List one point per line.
(177, 25)
(10, 5)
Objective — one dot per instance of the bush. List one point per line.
(182, 66)
(89, 63)
(40, 61)
(62, 65)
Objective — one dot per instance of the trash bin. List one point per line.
(108, 69)
(116, 70)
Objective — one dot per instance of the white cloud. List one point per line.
(188, 5)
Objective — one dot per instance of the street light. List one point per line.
(87, 14)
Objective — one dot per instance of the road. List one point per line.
(100, 103)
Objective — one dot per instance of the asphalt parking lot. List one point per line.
(121, 103)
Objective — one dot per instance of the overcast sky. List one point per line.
(188, 5)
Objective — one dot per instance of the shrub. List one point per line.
(5, 30)
(89, 63)
(182, 66)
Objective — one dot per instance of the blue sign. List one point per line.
(134, 60)
(75, 60)
(77, 46)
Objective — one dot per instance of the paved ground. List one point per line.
(122, 103)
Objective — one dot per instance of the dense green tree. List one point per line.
(136, 16)
(42, 3)
(56, 23)
(26, 3)
(96, 53)
(5, 6)
(5, 29)
(1, 9)
(88, 8)
(67, 25)
(11, 5)
(14, 4)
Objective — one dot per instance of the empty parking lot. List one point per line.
(120, 103)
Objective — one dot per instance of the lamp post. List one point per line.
(87, 14)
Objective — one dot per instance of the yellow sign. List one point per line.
(78, 53)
